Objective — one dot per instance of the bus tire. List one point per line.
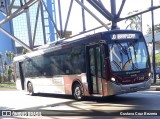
(77, 91)
(30, 89)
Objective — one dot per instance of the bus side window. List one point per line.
(28, 68)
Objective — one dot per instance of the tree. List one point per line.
(156, 29)
(1, 78)
(135, 22)
(1, 66)
(8, 56)
(12, 56)
(24, 51)
(5, 64)
(9, 73)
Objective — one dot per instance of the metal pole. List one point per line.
(141, 12)
(83, 17)
(60, 18)
(52, 21)
(43, 22)
(141, 24)
(30, 3)
(35, 26)
(99, 7)
(6, 5)
(113, 11)
(153, 41)
(11, 6)
(29, 28)
(92, 14)
(121, 8)
(68, 15)
(16, 39)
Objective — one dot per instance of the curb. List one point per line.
(7, 88)
(158, 89)
(154, 88)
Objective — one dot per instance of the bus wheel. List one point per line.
(30, 89)
(77, 91)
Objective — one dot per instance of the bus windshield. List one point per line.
(128, 55)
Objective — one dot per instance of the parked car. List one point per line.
(157, 71)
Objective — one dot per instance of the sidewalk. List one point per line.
(7, 88)
(154, 88)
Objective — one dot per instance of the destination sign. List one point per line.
(123, 36)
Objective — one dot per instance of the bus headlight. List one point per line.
(113, 79)
(149, 74)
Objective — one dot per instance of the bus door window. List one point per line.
(94, 70)
(99, 68)
(104, 62)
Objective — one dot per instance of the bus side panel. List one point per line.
(18, 84)
(70, 79)
(104, 87)
(54, 85)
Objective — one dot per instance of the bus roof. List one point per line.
(58, 44)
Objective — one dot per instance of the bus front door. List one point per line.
(94, 69)
(21, 75)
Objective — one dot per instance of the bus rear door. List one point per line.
(93, 54)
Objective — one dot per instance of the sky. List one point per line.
(75, 22)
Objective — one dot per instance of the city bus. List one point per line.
(102, 64)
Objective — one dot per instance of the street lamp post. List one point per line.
(153, 41)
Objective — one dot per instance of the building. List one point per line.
(149, 38)
(24, 25)
(6, 43)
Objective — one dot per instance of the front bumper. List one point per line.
(114, 89)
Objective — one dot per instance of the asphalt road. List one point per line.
(60, 105)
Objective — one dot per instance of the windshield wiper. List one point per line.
(124, 51)
(122, 48)
(117, 65)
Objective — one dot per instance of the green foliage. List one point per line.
(8, 84)
(9, 56)
(5, 64)
(24, 51)
(9, 73)
(0, 78)
(158, 58)
(156, 28)
(133, 23)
